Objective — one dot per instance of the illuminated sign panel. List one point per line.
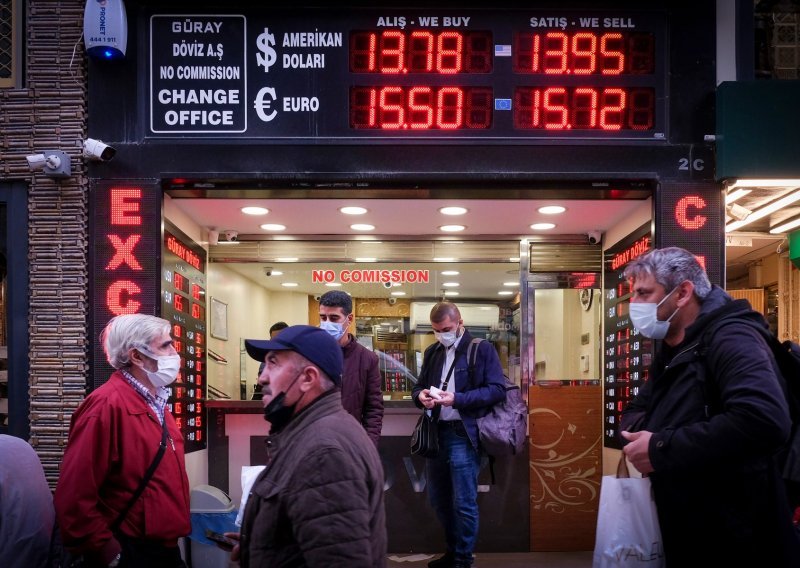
(476, 76)
(128, 277)
(125, 259)
(183, 302)
(627, 354)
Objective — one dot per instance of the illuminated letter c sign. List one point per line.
(682, 212)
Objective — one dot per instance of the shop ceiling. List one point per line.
(407, 235)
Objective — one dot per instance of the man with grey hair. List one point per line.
(708, 423)
(319, 501)
(115, 436)
(362, 392)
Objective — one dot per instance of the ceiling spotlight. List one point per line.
(353, 210)
(254, 210)
(98, 150)
(551, 209)
(542, 226)
(52, 163)
(452, 210)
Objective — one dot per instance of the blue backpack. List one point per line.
(503, 430)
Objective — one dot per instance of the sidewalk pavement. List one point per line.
(580, 559)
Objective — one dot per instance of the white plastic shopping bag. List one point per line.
(249, 475)
(628, 535)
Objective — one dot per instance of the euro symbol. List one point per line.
(266, 58)
(262, 105)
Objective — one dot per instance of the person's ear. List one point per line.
(684, 293)
(310, 377)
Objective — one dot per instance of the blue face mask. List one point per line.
(335, 330)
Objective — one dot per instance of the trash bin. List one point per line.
(210, 509)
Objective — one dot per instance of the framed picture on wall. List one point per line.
(219, 319)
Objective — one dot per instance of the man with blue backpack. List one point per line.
(712, 424)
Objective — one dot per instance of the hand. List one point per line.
(235, 551)
(446, 398)
(638, 450)
(426, 399)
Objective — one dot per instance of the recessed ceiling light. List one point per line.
(450, 272)
(443, 259)
(353, 210)
(277, 273)
(286, 259)
(273, 227)
(333, 284)
(510, 283)
(551, 209)
(452, 210)
(365, 259)
(451, 293)
(398, 293)
(362, 227)
(289, 284)
(255, 210)
(543, 226)
(452, 228)
(451, 284)
(505, 293)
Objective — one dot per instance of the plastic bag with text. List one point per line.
(628, 534)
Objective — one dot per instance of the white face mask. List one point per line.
(446, 338)
(168, 368)
(644, 316)
(334, 329)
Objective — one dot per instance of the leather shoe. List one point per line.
(445, 561)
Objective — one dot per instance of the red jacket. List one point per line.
(114, 436)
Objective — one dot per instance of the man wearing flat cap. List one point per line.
(319, 501)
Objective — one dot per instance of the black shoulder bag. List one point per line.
(425, 438)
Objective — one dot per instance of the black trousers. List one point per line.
(140, 553)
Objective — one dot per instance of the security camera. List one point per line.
(53, 163)
(594, 237)
(317, 297)
(392, 301)
(98, 150)
(232, 236)
(267, 271)
(387, 284)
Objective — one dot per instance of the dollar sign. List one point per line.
(267, 57)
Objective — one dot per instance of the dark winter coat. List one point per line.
(720, 498)
(362, 392)
(475, 394)
(319, 502)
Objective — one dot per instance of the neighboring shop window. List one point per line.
(10, 18)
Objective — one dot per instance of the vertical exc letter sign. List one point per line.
(125, 259)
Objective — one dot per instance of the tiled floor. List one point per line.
(499, 560)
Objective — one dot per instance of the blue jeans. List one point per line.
(453, 490)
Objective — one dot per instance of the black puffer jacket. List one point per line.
(716, 483)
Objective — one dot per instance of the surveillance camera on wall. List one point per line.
(267, 271)
(98, 150)
(317, 297)
(392, 301)
(231, 236)
(52, 163)
(387, 284)
(594, 237)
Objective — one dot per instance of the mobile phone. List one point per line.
(436, 393)
(221, 539)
